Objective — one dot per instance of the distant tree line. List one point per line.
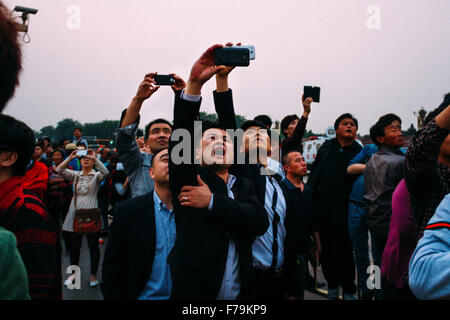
(102, 130)
(64, 129)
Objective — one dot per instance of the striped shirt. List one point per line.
(24, 214)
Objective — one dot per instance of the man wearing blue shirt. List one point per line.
(78, 138)
(142, 235)
(157, 134)
(357, 215)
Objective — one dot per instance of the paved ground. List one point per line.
(88, 293)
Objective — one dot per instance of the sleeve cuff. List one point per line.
(189, 97)
(210, 206)
(129, 130)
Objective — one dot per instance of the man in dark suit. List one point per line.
(218, 216)
(142, 235)
(254, 163)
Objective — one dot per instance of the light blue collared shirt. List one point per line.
(231, 282)
(262, 247)
(159, 284)
(429, 267)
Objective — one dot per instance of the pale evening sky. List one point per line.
(92, 73)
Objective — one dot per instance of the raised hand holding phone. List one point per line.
(179, 83)
(202, 70)
(147, 87)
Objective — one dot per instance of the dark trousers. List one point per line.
(391, 292)
(380, 243)
(268, 285)
(302, 265)
(103, 203)
(338, 262)
(94, 250)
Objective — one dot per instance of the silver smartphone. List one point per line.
(251, 49)
(82, 153)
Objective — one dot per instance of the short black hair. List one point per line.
(77, 128)
(60, 151)
(47, 139)
(377, 129)
(252, 123)
(206, 125)
(148, 126)
(264, 119)
(284, 158)
(290, 145)
(40, 145)
(433, 114)
(342, 117)
(10, 57)
(113, 156)
(18, 137)
(286, 121)
(154, 156)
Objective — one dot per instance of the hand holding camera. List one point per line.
(202, 70)
(147, 87)
(225, 72)
(306, 106)
(178, 82)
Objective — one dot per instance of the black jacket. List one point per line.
(198, 258)
(130, 249)
(293, 221)
(321, 161)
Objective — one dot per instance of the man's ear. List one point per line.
(380, 140)
(8, 158)
(152, 173)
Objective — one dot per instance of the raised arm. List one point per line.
(186, 110)
(223, 98)
(423, 152)
(146, 89)
(297, 137)
(67, 174)
(127, 147)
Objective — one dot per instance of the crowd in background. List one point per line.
(210, 227)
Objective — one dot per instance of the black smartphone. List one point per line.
(312, 92)
(139, 133)
(164, 80)
(232, 56)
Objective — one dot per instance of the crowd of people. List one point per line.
(224, 213)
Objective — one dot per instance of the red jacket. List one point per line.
(36, 179)
(24, 214)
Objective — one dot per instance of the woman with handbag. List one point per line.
(84, 216)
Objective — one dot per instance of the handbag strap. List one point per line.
(75, 192)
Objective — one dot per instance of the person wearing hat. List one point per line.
(331, 188)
